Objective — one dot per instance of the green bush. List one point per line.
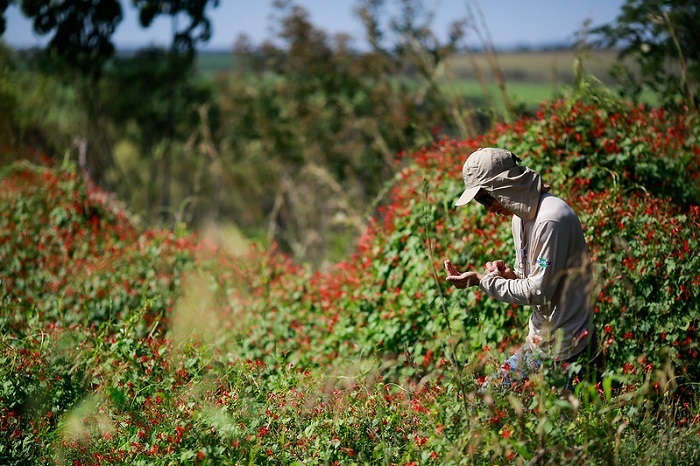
(125, 346)
(70, 252)
(640, 229)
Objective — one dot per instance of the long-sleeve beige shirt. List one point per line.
(554, 277)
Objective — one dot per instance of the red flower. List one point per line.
(420, 441)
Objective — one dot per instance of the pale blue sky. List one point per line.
(509, 22)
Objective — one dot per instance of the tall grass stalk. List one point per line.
(684, 85)
(451, 346)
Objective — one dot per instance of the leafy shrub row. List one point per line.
(153, 347)
(70, 253)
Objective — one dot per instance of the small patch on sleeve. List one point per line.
(542, 262)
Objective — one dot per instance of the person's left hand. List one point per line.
(501, 268)
(461, 280)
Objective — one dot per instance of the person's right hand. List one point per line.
(501, 268)
(461, 280)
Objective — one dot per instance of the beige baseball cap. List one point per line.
(481, 168)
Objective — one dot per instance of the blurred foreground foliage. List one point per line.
(125, 345)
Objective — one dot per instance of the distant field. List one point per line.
(530, 94)
(531, 76)
(213, 62)
(553, 67)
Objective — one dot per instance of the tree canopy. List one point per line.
(663, 38)
(81, 30)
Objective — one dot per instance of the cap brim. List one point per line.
(467, 195)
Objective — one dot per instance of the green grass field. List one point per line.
(529, 94)
(553, 67)
(531, 77)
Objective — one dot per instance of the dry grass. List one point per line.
(552, 67)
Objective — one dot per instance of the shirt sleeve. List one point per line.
(546, 262)
(517, 232)
(517, 268)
